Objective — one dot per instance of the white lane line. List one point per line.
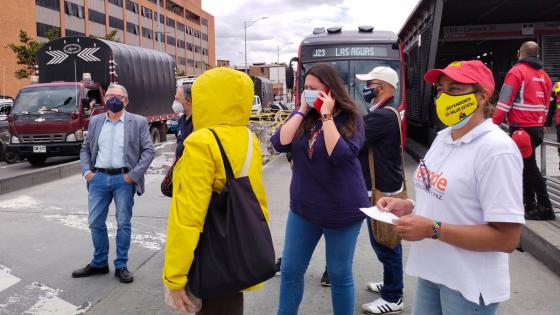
(145, 238)
(21, 202)
(52, 305)
(6, 278)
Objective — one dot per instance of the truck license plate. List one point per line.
(39, 149)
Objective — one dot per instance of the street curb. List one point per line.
(39, 176)
(531, 241)
(540, 248)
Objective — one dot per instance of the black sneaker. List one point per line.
(541, 213)
(278, 265)
(325, 279)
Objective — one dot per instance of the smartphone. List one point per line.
(317, 103)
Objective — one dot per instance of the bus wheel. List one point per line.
(10, 157)
(154, 134)
(37, 160)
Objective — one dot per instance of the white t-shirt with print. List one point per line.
(474, 180)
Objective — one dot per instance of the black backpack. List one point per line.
(235, 250)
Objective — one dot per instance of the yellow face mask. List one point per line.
(453, 109)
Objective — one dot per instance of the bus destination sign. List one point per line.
(349, 51)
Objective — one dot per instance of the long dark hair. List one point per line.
(344, 105)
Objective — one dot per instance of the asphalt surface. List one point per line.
(44, 236)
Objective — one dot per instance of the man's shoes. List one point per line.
(375, 287)
(278, 265)
(380, 306)
(541, 213)
(124, 275)
(325, 279)
(89, 271)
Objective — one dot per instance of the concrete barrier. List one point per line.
(39, 176)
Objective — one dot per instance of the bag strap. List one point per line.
(249, 155)
(401, 143)
(227, 165)
(371, 173)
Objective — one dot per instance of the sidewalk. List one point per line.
(539, 238)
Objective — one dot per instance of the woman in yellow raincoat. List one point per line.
(222, 100)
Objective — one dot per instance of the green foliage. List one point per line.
(179, 72)
(112, 36)
(25, 52)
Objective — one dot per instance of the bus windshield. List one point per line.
(348, 70)
(46, 99)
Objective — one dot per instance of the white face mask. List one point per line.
(177, 107)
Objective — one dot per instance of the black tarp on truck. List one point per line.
(148, 75)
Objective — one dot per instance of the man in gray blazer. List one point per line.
(114, 157)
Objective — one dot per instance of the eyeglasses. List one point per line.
(120, 97)
(425, 174)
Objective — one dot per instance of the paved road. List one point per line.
(44, 236)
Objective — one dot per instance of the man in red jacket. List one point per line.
(524, 100)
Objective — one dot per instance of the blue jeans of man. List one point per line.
(391, 258)
(301, 239)
(102, 190)
(437, 299)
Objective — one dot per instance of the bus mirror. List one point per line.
(290, 73)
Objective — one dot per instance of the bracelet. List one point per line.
(327, 117)
(299, 113)
(436, 229)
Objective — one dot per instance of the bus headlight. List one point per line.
(14, 139)
(71, 137)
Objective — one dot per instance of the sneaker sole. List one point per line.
(393, 312)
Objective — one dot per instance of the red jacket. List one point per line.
(525, 95)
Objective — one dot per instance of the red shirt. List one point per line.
(524, 98)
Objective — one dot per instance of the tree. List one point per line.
(26, 51)
(179, 72)
(112, 36)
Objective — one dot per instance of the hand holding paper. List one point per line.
(375, 213)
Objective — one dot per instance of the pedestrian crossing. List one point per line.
(34, 298)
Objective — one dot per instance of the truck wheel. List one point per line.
(10, 157)
(154, 133)
(37, 160)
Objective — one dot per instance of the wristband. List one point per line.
(436, 229)
(327, 117)
(299, 113)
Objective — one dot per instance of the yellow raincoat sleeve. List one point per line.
(189, 206)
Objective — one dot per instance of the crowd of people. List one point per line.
(474, 187)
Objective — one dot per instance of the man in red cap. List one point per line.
(524, 101)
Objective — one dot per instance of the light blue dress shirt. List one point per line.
(110, 152)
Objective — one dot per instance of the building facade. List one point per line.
(178, 27)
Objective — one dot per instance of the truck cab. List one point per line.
(257, 106)
(51, 119)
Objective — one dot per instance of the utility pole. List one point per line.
(245, 25)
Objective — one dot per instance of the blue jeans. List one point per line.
(103, 189)
(300, 242)
(437, 299)
(391, 259)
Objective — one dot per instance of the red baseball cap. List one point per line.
(469, 72)
(523, 141)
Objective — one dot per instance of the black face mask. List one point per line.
(370, 94)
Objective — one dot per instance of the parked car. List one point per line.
(173, 125)
(5, 107)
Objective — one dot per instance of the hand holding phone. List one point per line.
(318, 102)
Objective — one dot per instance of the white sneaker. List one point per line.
(380, 306)
(374, 287)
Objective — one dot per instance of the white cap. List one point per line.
(386, 74)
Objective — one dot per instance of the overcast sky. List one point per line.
(289, 21)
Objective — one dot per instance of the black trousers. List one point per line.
(534, 183)
(232, 305)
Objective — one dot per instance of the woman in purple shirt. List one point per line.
(327, 187)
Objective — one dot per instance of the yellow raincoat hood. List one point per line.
(222, 96)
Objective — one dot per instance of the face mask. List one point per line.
(114, 104)
(177, 107)
(455, 110)
(370, 94)
(310, 97)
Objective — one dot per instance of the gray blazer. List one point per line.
(138, 147)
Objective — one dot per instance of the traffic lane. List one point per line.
(23, 167)
(44, 236)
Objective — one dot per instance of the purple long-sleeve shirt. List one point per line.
(327, 191)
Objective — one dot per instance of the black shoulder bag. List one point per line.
(235, 250)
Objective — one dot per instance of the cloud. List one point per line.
(289, 21)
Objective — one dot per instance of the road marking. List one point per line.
(21, 202)
(39, 299)
(6, 278)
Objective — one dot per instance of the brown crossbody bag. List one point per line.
(383, 232)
